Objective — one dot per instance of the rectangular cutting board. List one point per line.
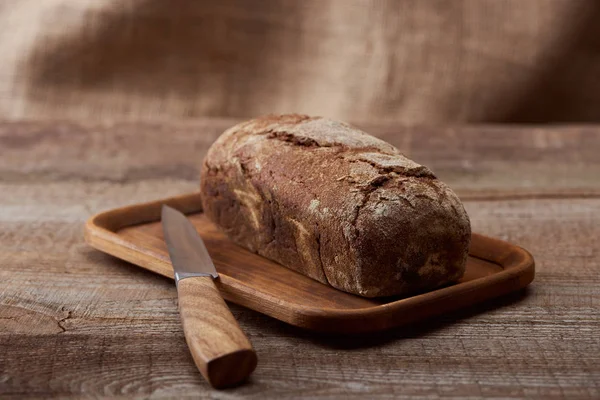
(134, 234)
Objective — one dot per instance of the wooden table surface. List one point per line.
(75, 322)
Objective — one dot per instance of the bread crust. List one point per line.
(336, 204)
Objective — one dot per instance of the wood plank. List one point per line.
(478, 161)
(76, 322)
(541, 345)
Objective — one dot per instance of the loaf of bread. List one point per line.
(336, 204)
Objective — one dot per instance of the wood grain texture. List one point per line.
(75, 322)
(220, 349)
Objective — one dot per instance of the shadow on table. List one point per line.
(373, 339)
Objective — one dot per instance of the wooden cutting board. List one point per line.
(134, 234)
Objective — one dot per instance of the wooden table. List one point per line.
(75, 322)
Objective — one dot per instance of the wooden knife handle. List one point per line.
(220, 349)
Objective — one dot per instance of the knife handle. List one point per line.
(220, 349)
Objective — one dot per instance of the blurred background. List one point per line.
(388, 61)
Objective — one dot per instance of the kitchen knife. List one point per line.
(220, 349)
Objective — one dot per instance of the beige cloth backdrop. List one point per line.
(405, 61)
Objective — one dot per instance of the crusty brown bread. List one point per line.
(336, 204)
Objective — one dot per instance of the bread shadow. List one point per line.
(374, 339)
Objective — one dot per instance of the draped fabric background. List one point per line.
(401, 61)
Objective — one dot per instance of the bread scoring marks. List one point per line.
(302, 130)
(397, 163)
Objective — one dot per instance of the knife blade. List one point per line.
(186, 248)
(220, 349)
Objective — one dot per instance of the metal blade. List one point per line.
(186, 248)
